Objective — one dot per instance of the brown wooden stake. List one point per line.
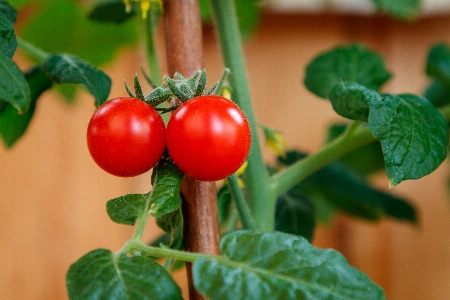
(183, 35)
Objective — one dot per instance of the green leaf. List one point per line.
(172, 224)
(7, 11)
(13, 86)
(350, 192)
(351, 100)
(343, 189)
(295, 215)
(276, 265)
(402, 9)
(351, 63)
(110, 11)
(163, 199)
(364, 160)
(96, 42)
(126, 209)
(8, 41)
(166, 180)
(438, 93)
(63, 68)
(438, 63)
(413, 135)
(100, 274)
(13, 125)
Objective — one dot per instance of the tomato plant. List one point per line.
(266, 216)
(126, 136)
(208, 137)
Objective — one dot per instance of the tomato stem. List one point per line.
(355, 136)
(32, 50)
(244, 211)
(162, 252)
(352, 139)
(141, 221)
(256, 177)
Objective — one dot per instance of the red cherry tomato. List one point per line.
(208, 138)
(126, 137)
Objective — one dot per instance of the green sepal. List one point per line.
(129, 92)
(201, 84)
(158, 95)
(138, 88)
(192, 82)
(180, 89)
(211, 90)
(148, 79)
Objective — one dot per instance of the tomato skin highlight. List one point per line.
(126, 137)
(208, 138)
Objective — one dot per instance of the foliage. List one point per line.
(269, 213)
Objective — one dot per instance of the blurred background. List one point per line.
(53, 196)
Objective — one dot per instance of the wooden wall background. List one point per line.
(52, 196)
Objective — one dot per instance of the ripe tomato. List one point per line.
(126, 136)
(208, 138)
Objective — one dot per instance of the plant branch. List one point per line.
(256, 177)
(141, 221)
(289, 177)
(163, 252)
(32, 50)
(244, 211)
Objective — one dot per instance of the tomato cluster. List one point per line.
(208, 137)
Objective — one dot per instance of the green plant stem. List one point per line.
(141, 221)
(163, 252)
(232, 221)
(289, 177)
(33, 51)
(256, 177)
(152, 59)
(352, 128)
(243, 209)
(355, 136)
